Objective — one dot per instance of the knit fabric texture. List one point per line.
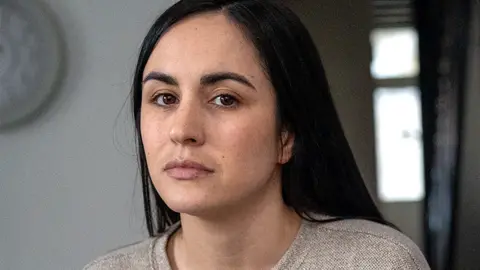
(345, 244)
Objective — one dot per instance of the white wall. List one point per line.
(67, 180)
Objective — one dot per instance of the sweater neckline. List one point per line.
(291, 259)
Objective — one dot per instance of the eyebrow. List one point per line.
(161, 77)
(208, 79)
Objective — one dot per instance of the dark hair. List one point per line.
(322, 176)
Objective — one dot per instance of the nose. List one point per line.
(187, 125)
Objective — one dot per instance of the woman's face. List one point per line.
(208, 118)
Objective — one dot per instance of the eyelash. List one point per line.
(236, 101)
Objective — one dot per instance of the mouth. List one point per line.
(187, 170)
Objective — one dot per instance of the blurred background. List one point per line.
(405, 76)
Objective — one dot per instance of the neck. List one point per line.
(255, 236)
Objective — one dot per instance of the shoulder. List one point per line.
(141, 255)
(362, 244)
(134, 256)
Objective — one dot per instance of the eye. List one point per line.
(225, 101)
(165, 99)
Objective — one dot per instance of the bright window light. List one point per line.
(395, 53)
(399, 147)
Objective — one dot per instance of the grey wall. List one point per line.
(468, 241)
(67, 180)
(341, 30)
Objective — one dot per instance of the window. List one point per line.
(394, 53)
(399, 145)
(397, 106)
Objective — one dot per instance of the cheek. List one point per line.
(151, 132)
(146, 131)
(248, 144)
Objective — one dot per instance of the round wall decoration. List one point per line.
(29, 58)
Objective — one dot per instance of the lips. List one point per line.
(187, 170)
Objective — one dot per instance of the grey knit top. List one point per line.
(346, 244)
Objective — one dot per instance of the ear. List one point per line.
(287, 140)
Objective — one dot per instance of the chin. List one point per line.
(206, 208)
(200, 200)
(189, 205)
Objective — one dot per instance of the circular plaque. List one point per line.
(29, 58)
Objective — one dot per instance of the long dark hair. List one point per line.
(322, 176)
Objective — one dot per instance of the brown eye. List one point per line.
(225, 101)
(165, 99)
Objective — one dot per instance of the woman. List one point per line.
(243, 159)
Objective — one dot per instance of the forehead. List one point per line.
(204, 43)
